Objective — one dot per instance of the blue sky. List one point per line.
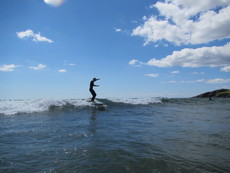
(53, 48)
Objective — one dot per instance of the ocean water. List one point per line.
(138, 135)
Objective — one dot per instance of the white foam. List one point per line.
(136, 101)
(10, 107)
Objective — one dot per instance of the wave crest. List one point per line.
(12, 107)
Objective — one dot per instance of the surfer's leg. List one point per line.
(94, 95)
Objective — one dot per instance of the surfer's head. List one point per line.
(94, 79)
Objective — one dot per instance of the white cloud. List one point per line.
(66, 63)
(225, 69)
(28, 33)
(175, 72)
(210, 81)
(152, 75)
(35, 37)
(193, 81)
(118, 29)
(187, 81)
(38, 37)
(187, 22)
(38, 67)
(205, 56)
(62, 70)
(54, 3)
(6, 68)
(135, 62)
(218, 80)
(198, 73)
(200, 80)
(171, 82)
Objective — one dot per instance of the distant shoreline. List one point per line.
(224, 93)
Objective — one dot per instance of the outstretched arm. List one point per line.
(97, 85)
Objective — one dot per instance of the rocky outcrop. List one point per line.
(215, 93)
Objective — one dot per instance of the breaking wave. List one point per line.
(12, 107)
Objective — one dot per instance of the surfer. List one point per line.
(91, 89)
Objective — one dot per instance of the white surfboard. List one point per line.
(99, 105)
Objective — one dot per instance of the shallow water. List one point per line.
(170, 135)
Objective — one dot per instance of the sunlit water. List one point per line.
(166, 135)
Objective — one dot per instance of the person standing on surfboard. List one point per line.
(91, 89)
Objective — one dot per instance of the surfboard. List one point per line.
(99, 105)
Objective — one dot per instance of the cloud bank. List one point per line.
(186, 22)
(218, 80)
(35, 37)
(209, 81)
(225, 69)
(200, 57)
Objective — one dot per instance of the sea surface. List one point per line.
(127, 135)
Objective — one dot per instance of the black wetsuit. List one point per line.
(92, 91)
